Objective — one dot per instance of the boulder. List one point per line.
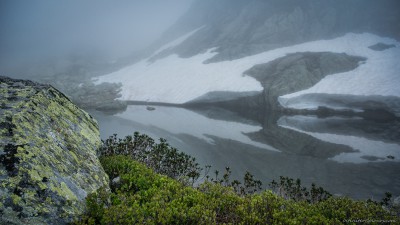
(48, 161)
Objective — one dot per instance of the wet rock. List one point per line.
(48, 160)
(299, 71)
(381, 46)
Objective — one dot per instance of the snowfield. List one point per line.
(178, 80)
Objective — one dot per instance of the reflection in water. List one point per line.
(366, 150)
(183, 121)
(221, 138)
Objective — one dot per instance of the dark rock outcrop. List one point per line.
(48, 161)
(384, 108)
(299, 71)
(381, 46)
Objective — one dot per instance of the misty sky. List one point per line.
(44, 27)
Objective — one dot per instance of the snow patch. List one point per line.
(178, 80)
(378, 76)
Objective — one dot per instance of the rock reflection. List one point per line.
(303, 152)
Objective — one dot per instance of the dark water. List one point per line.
(346, 156)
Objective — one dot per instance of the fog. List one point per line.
(227, 81)
(34, 31)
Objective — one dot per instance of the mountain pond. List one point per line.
(347, 156)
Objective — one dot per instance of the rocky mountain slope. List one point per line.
(48, 161)
(240, 28)
(206, 54)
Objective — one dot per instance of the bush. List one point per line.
(145, 197)
(290, 189)
(161, 157)
(166, 160)
(152, 183)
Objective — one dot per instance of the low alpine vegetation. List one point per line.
(161, 157)
(145, 189)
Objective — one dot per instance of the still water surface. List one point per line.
(346, 156)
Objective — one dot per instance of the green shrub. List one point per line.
(145, 197)
(290, 189)
(143, 192)
(161, 157)
(166, 160)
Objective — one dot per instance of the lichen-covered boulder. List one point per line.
(48, 161)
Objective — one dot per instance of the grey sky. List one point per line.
(42, 27)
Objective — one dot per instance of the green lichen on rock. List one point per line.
(48, 161)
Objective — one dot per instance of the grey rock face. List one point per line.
(238, 28)
(299, 71)
(381, 46)
(48, 161)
